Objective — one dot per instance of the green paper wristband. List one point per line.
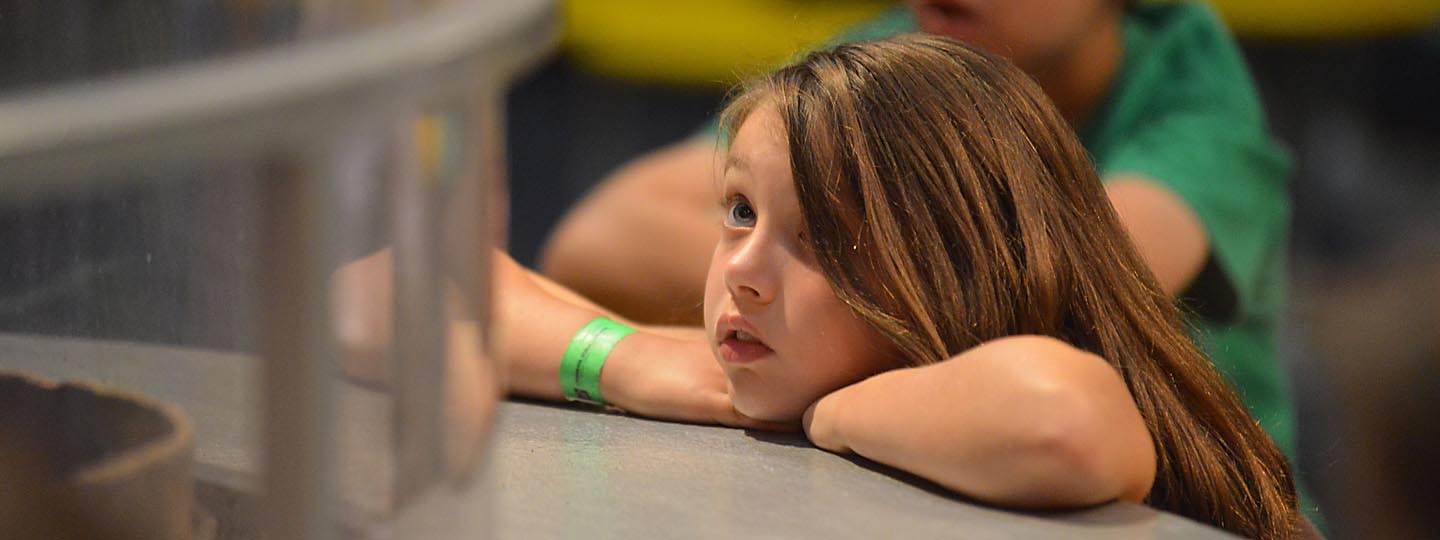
(580, 367)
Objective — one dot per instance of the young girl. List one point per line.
(1157, 92)
(919, 265)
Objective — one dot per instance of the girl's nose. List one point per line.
(748, 275)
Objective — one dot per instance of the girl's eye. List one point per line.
(739, 213)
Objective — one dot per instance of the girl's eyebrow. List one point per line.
(737, 162)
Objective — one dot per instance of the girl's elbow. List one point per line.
(1077, 457)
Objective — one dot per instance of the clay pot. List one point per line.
(82, 460)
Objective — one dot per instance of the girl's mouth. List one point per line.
(740, 347)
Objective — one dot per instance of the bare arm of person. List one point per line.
(640, 243)
(1024, 421)
(1165, 230)
(559, 291)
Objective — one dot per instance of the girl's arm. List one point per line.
(1024, 421)
(659, 372)
(648, 372)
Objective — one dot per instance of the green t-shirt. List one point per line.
(1184, 113)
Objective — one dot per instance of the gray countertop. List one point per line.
(558, 471)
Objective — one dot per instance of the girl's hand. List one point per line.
(820, 423)
(672, 379)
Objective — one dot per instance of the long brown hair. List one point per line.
(949, 203)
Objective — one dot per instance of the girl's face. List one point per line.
(782, 336)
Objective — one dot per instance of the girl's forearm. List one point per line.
(663, 372)
(534, 321)
(657, 371)
(1024, 421)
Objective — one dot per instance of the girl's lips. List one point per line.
(736, 351)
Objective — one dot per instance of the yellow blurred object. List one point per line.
(719, 42)
(702, 43)
(1322, 19)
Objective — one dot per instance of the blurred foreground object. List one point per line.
(83, 461)
(191, 173)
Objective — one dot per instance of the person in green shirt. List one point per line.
(1158, 94)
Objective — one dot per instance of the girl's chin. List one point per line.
(761, 410)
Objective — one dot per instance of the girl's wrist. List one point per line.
(823, 421)
(617, 375)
